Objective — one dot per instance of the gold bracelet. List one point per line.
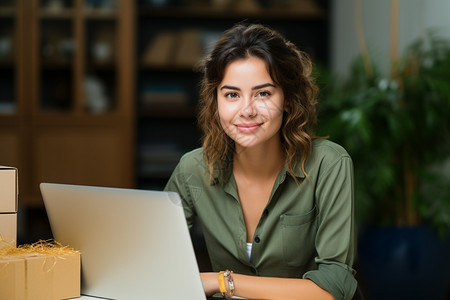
(222, 287)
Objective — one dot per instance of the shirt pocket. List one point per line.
(298, 233)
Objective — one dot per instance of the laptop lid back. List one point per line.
(134, 244)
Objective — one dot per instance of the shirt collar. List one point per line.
(226, 166)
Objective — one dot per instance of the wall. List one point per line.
(415, 18)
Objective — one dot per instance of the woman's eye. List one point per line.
(263, 94)
(231, 95)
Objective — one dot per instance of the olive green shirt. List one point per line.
(305, 231)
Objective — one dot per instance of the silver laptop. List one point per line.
(134, 244)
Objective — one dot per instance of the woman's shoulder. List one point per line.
(325, 147)
(197, 152)
(325, 153)
(193, 159)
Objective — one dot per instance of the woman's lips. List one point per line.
(246, 128)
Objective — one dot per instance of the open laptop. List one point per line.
(134, 244)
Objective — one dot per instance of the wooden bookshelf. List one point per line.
(68, 57)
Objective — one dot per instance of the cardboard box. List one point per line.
(8, 230)
(8, 190)
(12, 278)
(40, 277)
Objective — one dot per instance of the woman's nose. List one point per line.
(249, 108)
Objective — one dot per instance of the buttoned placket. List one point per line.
(241, 238)
(258, 235)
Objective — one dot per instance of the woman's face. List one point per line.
(250, 104)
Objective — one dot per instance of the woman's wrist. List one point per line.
(221, 282)
(210, 283)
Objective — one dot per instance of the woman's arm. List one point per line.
(253, 287)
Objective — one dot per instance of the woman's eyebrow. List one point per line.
(263, 86)
(229, 87)
(257, 87)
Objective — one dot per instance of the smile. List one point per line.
(246, 128)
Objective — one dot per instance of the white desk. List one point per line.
(95, 298)
(87, 298)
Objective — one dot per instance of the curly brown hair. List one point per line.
(288, 67)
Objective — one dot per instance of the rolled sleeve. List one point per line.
(335, 239)
(334, 277)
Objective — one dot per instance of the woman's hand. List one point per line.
(210, 283)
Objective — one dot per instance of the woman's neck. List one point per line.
(262, 161)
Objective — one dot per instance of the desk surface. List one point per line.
(86, 298)
(96, 298)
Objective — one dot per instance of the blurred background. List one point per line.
(103, 92)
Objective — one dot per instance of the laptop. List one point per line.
(135, 244)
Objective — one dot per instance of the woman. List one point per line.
(275, 203)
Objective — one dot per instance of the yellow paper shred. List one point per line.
(46, 247)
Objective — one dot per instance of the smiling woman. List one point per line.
(275, 203)
(250, 105)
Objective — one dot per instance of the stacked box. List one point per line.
(41, 271)
(40, 277)
(8, 205)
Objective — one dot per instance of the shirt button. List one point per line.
(257, 239)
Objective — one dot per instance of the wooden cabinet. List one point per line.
(171, 38)
(69, 113)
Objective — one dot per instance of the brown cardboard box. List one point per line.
(8, 189)
(40, 277)
(8, 230)
(66, 277)
(12, 278)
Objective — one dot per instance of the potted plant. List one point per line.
(397, 130)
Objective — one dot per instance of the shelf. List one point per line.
(64, 13)
(309, 11)
(158, 159)
(7, 12)
(85, 119)
(99, 13)
(7, 119)
(7, 110)
(56, 64)
(6, 63)
(101, 66)
(167, 68)
(168, 112)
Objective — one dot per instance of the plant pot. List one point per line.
(403, 263)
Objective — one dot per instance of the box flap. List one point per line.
(9, 189)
